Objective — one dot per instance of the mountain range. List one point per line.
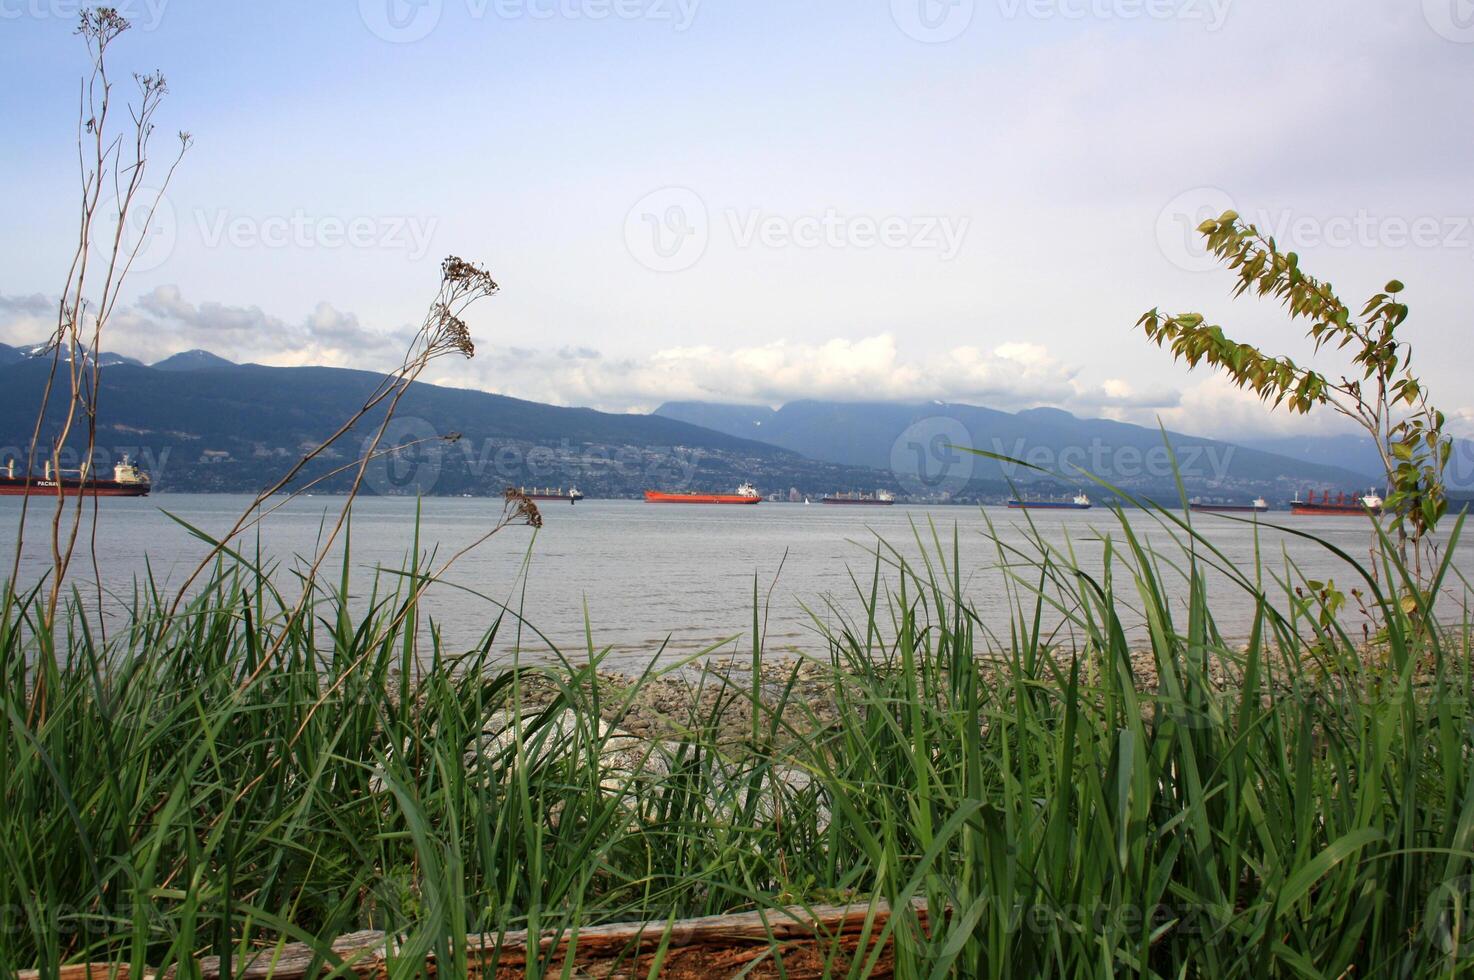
(15, 355)
(199, 422)
(1133, 457)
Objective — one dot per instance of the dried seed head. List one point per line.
(521, 508)
(101, 24)
(467, 275)
(152, 83)
(447, 332)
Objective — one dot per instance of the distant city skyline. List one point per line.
(761, 202)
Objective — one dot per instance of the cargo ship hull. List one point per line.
(19, 486)
(657, 497)
(1334, 510)
(1227, 509)
(571, 498)
(862, 503)
(1369, 505)
(1046, 505)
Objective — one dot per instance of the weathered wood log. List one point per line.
(806, 941)
(90, 971)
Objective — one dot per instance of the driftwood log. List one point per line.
(805, 940)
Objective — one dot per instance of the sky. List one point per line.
(753, 201)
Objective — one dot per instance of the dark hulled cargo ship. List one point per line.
(1257, 506)
(879, 498)
(1077, 502)
(572, 495)
(128, 481)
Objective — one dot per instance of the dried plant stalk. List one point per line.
(91, 291)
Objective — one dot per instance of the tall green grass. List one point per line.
(1313, 816)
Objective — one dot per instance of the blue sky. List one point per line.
(762, 201)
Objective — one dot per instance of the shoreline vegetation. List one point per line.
(1284, 806)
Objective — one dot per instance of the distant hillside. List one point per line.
(1358, 453)
(1134, 457)
(199, 422)
(237, 427)
(193, 360)
(16, 355)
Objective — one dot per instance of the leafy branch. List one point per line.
(1380, 393)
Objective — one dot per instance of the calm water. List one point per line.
(650, 572)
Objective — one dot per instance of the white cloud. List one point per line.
(1009, 375)
(1215, 407)
(164, 322)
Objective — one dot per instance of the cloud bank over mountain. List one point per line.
(1008, 374)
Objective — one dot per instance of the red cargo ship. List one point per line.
(1370, 504)
(746, 494)
(128, 481)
